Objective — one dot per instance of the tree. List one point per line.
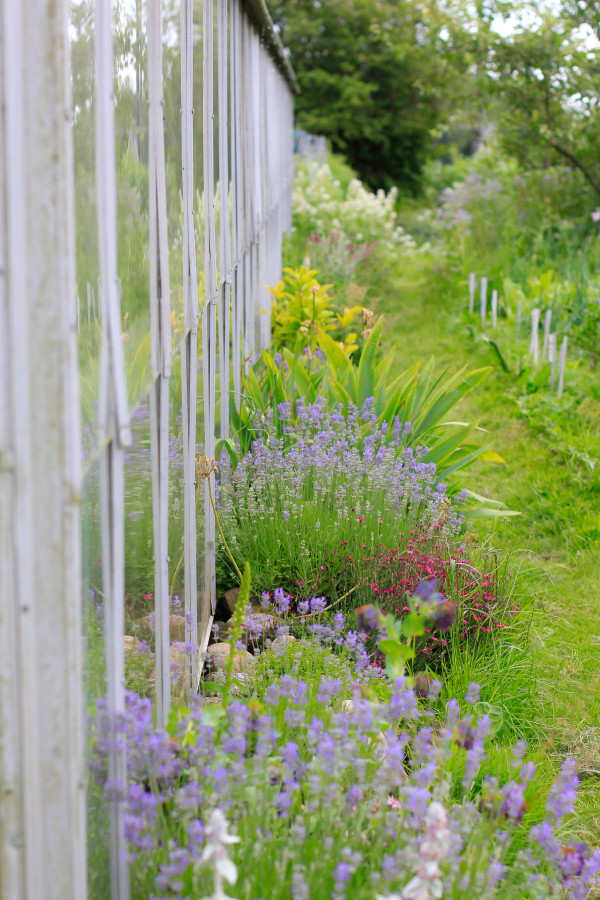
(375, 77)
(546, 77)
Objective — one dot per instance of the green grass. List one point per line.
(558, 525)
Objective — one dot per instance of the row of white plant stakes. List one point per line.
(549, 345)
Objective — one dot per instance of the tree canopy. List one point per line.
(545, 76)
(374, 76)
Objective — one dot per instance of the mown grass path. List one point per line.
(424, 318)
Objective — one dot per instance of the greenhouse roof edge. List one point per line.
(260, 16)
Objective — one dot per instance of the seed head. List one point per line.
(206, 466)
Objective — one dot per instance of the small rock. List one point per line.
(129, 643)
(231, 599)
(219, 655)
(177, 628)
(281, 643)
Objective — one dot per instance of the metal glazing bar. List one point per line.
(209, 326)
(160, 328)
(189, 347)
(238, 195)
(22, 834)
(224, 235)
(115, 432)
(42, 809)
(159, 425)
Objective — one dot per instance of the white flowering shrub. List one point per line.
(322, 205)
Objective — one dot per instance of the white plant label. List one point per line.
(552, 358)
(535, 345)
(484, 283)
(494, 308)
(547, 324)
(561, 366)
(472, 283)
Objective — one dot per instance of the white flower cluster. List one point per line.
(427, 881)
(321, 206)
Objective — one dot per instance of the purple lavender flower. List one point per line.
(317, 605)
(561, 799)
(472, 695)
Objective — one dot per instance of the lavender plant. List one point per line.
(335, 794)
(334, 484)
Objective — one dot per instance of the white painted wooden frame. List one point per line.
(160, 328)
(189, 346)
(42, 780)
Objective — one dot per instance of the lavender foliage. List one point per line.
(334, 791)
(336, 484)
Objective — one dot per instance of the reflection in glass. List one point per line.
(95, 680)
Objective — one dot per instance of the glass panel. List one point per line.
(131, 128)
(95, 680)
(88, 320)
(198, 148)
(172, 130)
(203, 603)
(139, 557)
(176, 543)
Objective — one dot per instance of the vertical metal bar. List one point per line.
(42, 785)
(209, 327)
(237, 143)
(189, 348)
(114, 431)
(20, 775)
(160, 326)
(224, 236)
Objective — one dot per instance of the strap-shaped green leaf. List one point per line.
(366, 368)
